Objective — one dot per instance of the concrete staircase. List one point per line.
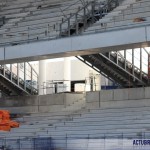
(116, 67)
(107, 115)
(12, 83)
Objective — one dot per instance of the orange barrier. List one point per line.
(5, 123)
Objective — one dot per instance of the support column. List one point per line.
(98, 82)
(67, 74)
(42, 77)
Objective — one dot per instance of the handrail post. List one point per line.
(93, 9)
(60, 32)
(11, 72)
(85, 19)
(18, 74)
(25, 76)
(31, 80)
(77, 26)
(68, 26)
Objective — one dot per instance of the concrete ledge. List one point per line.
(69, 98)
(51, 99)
(92, 96)
(147, 92)
(121, 94)
(44, 103)
(19, 101)
(52, 108)
(25, 109)
(93, 105)
(126, 103)
(119, 98)
(106, 95)
(136, 93)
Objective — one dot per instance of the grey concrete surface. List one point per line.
(126, 103)
(119, 98)
(44, 103)
(106, 95)
(92, 105)
(136, 93)
(51, 99)
(69, 98)
(93, 96)
(120, 94)
(147, 92)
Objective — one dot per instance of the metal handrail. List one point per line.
(124, 70)
(23, 81)
(128, 62)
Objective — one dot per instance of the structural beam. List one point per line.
(77, 45)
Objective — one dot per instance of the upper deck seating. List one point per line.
(135, 13)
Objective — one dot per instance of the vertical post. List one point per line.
(19, 144)
(77, 25)
(88, 141)
(28, 34)
(68, 26)
(5, 141)
(11, 72)
(93, 9)
(133, 61)
(25, 75)
(4, 70)
(42, 76)
(101, 12)
(31, 79)
(117, 57)
(108, 6)
(117, 3)
(50, 145)
(48, 31)
(60, 30)
(85, 19)
(148, 68)
(3, 20)
(66, 142)
(141, 63)
(17, 73)
(67, 74)
(125, 59)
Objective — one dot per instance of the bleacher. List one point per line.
(32, 21)
(35, 20)
(73, 123)
(129, 14)
(73, 127)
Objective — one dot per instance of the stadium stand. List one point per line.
(121, 119)
(115, 118)
(32, 21)
(129, 14)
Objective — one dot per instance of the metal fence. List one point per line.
(43, 143)
(78, 142)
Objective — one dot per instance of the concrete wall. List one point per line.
(133, 97)
(44, 103)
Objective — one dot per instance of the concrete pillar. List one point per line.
(42, 76)
(67, 74)
(98, 82)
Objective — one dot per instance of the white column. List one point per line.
(42, 76)
(67, 74)
(98, 82)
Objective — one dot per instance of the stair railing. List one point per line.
(89, 14)
(128, 63)
(23, 75)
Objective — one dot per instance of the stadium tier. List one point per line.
(40, 20)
